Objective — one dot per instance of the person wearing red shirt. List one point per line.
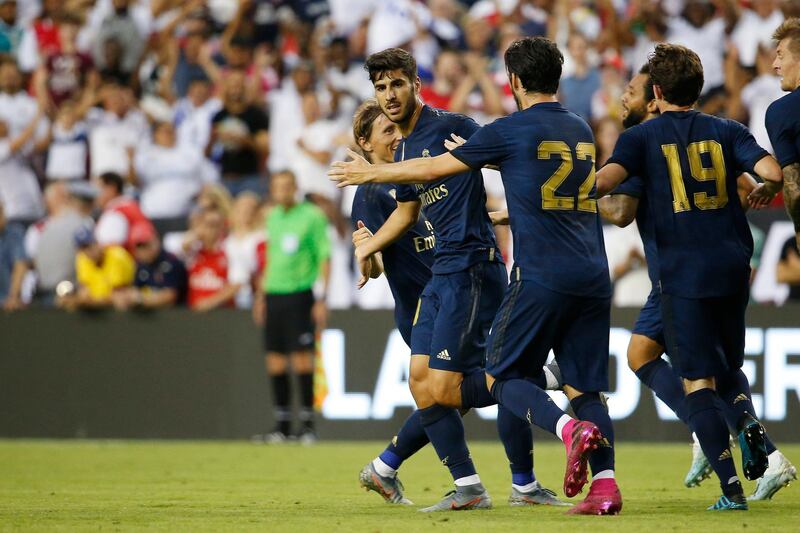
(209, 287)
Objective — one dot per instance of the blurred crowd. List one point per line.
(138, 137)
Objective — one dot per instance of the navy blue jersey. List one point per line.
(546, 158)
(166, 272)
(783, 127)
(455, 205)
(634, 186)
(690, 163)
(407, 262)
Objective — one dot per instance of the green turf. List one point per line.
(187, 486)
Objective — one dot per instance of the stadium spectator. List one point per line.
(45, 26)
(193, 114)
(758, 94)
(17, 38)
(448, 71)
(120, 213)
(297, 259)
(285, 112)
(753, 28)
(606, 133)
(788, 269)
(578, 88)
(345, 79)
(242, 246)
(12, 255)
(50, 245)
(19, 189)
(68, 145)
(240, 132)
(115, 128)
(207, 265)
(169, 175)
(627, 266)
(312, 154)
(119, 27)
(65, 73)
(160, 279)
(100, 271)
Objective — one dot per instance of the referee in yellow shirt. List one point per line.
(298, 255)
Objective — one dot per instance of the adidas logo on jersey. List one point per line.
(725, 455)
(444, 354)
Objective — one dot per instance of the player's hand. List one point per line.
(454, 141)
(361, 234)
(365, 264)
(354, 172)
(760, 197)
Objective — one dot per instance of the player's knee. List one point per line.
(276, 364)
(641, 351)
(445, 389)
(303, 362)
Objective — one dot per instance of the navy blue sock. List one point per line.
(588, 407)
(705, 419)
(445, 429)
(517, 438)
(528, 402)
(659, 377)
(409, 440)
(474, 392)
(734, 389)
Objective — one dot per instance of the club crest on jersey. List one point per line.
(426, 153)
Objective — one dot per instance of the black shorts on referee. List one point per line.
(289, 326)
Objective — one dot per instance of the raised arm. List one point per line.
(418, 170)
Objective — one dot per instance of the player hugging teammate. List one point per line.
(683, 174)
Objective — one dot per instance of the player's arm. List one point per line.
(398, 223)
(791, 192)
(418, 170)
(770, 171)
(745, 184)
(499, 218)
(618, 209)
(608, 177)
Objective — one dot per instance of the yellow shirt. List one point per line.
(117, 269)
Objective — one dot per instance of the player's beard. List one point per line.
(635, 117)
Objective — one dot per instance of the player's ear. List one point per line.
(364, 144)
(417, 84)
(657, 92)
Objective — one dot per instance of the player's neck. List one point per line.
(407, 126)
(529, 100)
(664, 106)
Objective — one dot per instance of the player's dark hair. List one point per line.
(648, 86)
(364, 119)
(789, 29)
(677, 70)
(113, 179)
(537, 62)
(391, 59)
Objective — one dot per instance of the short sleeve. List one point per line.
(630, 151)
(466, 127)
(485, 147)
(406, 193)
(781, 128)
(633, 186)
(745, 148)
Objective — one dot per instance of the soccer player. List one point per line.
(689, 162)
(783, 115)
(560, 294)
(620, 207)
(407, 265)
(455, 311)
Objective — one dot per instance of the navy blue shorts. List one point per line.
(705, 336)
(454, 315)
(649, 322)
(534, 320)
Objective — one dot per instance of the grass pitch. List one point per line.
(188, 486)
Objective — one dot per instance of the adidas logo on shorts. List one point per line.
(725, 455)
(444, 354)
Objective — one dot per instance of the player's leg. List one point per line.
(458, 298)
(582, 353)
(760, 458)
(517, 439)
(300, 330)
(276, 362)
(523, 332)
(380, 474)
(693, 344)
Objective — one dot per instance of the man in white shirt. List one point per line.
(194, 112)
(753, 29)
